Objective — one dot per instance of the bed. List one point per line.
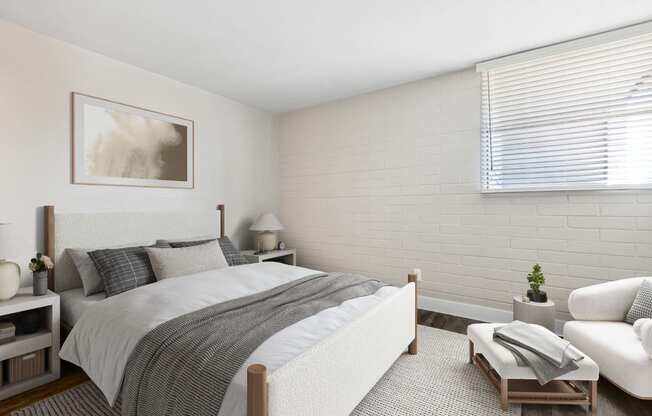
(339, 352)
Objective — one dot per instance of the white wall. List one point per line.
(236, 161)
(385, 182)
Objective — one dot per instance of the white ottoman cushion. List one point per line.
(505, 364)
(620, 353)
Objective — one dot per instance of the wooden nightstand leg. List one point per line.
(471, 352)
(504, 393)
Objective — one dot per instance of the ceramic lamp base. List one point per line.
(9, 279)
(266, 241)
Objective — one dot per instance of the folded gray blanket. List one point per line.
(185, 365)
(532, 345)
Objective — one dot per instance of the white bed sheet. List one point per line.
(74, 304)
(103, 339)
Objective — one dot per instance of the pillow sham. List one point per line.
(642, 306)
(176, 262)
(91, 280)
(122, 269)
(231, 253)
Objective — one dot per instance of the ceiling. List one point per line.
(281, 55)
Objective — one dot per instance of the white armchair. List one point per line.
(600, 332)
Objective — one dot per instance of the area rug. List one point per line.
(437, 381)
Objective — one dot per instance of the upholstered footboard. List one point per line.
(332, 377)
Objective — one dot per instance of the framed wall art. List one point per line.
(119, 144)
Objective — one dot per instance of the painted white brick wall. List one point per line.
(388, 181)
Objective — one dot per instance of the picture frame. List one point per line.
(123, 145)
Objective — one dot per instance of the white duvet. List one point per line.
(103, 339)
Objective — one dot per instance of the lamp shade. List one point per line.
(266, 222)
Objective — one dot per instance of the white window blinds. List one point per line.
(579, 118)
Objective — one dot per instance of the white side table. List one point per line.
(46, 337)
(542, 313)
(288, 256)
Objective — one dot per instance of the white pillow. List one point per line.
(91, 280)
(176, 262)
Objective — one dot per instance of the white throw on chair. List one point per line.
(601, 332)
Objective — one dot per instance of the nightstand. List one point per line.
(288, 256)
(43, 343)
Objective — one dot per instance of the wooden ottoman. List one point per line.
(518, 384)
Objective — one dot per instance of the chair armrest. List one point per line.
(604, 302)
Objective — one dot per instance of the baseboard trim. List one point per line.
(470, 311)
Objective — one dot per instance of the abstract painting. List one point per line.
(118, 144)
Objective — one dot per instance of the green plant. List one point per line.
(536, 278)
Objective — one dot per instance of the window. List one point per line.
(571, 116)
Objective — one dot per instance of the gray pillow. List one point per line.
(122, 269)
(176, 262)
(91, 279)
(232, 254)
(642, 306)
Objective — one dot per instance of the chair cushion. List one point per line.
(503, 361)
(618, 352)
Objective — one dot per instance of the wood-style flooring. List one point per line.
(612, 401)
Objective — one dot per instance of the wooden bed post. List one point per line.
(412, 349)
(48, 225)
(256, 390)
(220, 208)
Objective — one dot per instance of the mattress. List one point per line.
(74, 304)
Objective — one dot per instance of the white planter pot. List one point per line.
(9, 279)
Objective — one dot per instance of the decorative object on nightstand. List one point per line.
(9, 275)
(536, 279)
(7, 332)
(31, 360)
(267, 225)
(40, 265)
(281, 245)
(287, 256)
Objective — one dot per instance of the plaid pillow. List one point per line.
(123, 269)
(642, 306)
(231, 253)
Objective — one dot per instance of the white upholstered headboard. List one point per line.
(69, 230)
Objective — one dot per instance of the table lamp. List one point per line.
(266, 225)
(9, 274)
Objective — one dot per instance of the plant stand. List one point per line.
(541, 313)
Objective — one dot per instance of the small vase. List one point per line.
(9, 279)
(40, 284)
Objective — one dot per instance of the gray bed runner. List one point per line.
(185, 365)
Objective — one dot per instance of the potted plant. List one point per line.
(39, 267)
(536, 280)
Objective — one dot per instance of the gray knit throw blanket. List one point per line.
(185, 365)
